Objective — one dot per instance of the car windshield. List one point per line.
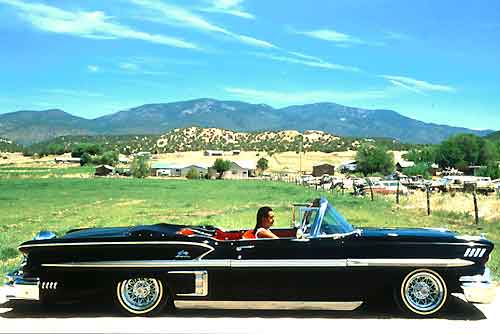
(334, 223)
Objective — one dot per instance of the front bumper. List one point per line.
(478, 288)
(21, 288)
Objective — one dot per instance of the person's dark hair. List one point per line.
(261, 213)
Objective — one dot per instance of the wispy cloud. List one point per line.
(95, 25)
(417, 86)
(161, 12)
(140, 67)
(287, 98)
(230, 7)
(93, 68)
(330, 35)
(306, 60)
(396, 36)
(70, 92)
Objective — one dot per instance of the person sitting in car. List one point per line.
(265, 219)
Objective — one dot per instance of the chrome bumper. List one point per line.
(20, 288)
(478, 288)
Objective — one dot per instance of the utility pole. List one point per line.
(300, 155)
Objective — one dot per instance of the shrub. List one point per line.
(140, 167)
(193, 174)
(263, 164)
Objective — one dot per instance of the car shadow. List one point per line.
(457, 309)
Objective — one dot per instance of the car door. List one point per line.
(288, 269)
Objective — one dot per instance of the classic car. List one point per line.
(321, 261)
(387, 187)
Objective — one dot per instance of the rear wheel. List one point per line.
(422, 292)
(141, 295)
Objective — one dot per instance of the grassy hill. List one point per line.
(196, 139)
(494, 136)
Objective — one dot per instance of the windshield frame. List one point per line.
(324, 208)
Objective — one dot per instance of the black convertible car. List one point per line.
(321, 262)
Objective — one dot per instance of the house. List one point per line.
(168, 169)
(66, 160)
(400, 165)
(348, 166)
(104, 170)
(322, 169)
(240, 170)
(213, 153)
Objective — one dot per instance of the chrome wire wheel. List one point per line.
(140, 295)
(423, 292)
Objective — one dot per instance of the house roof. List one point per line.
(246, 164)
(166, 165)
(406, 164)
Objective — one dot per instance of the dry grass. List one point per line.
(489, 206)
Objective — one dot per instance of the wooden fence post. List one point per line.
(397, 193)
(428, 191)
(371, 189)
(476, 211)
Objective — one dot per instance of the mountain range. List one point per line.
(27, 127)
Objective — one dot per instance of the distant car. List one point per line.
(321, 262)
(387, 187)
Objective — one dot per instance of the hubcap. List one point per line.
(424, 292)
(140, 294)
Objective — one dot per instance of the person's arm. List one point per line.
(263, 233)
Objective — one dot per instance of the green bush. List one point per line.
(140, 167)
(193, 174)
(374, 159)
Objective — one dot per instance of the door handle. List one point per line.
(239, 248)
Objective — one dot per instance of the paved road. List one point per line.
(460, 317)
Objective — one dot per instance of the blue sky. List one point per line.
(435, 61)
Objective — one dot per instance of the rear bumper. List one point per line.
(478, 288)
(20, 288)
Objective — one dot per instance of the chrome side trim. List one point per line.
(142, 264)
(200, 283)
(107, 243)
(268, 305)
(305, 263)
(288, 263)
(408, 262)
(112, 243)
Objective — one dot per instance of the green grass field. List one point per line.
(28, 205)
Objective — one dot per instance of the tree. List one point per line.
(92, 149)
(464, 150)
(221, 165)
(426, 154)
(262, 164)
(108, 158)
(140, 167)
(57, 149)
(374, 159)
(421, 168)
(193, 174)
(85, 159)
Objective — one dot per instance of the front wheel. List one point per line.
(422, 292)
(141, 295)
